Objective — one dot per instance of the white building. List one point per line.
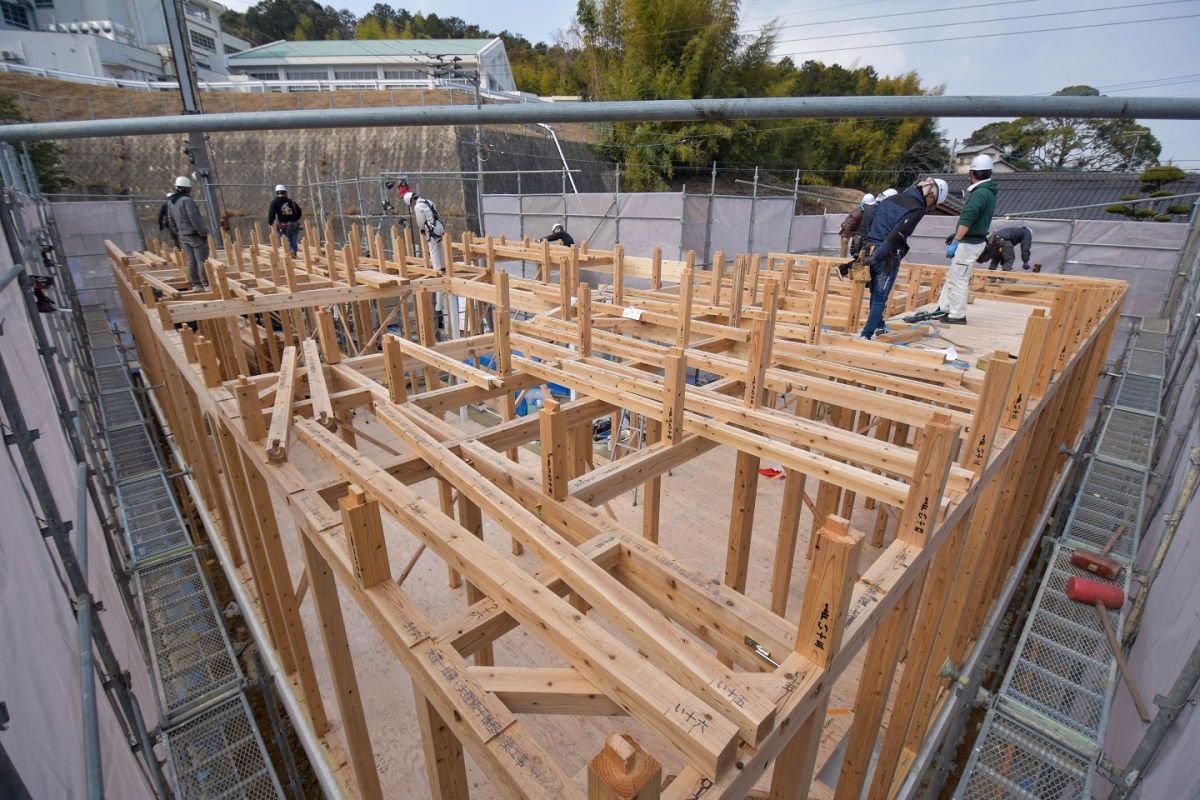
(964, 156)
(376, 60)
(112, 38)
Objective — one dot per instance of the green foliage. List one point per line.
(297, 20)
(1160, 175)
(1179, 208)
(686, 49)
(1117, 208)
(1161, 193)
(1145, 213)
(1163, 218)
(1061, 143)
(1129, 197)
(46, 156)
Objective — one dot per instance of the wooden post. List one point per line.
(206, 351)
(619, 274)
(554, 450)
(585, 320)
(341, 668)
(328, 337)
(393, 359)
(443, 753)
(622, 770)
(683, 333)
(674, 386)
(656, 268)
(250, 409)
(364, 534)
(717, 277)
(818, 638)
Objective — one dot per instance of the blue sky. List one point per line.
(1134, 49)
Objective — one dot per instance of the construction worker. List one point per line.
(1002, 246)
(864, 226)
(430, 225)
(193, 233)
(966, 244)
(285, 214)
(886, 243)
(559, 234)
(852, 222)
(164, 219)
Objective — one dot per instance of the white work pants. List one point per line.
(958, 279)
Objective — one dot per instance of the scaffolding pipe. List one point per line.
(1169, 709)
(622, 111)
(87, 670)
(301, 722)
(961, 695)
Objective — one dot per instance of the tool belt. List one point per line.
(288, 228)
(861, 269)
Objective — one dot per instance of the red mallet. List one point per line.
(1099, 563)
(1103, 596)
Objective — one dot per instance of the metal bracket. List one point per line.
(761, 651)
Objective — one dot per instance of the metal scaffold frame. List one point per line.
(1060, 683)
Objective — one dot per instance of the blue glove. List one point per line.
(950, 250)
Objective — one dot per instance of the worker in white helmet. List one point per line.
(852, 223)
(189, 226)
(429, 225)
(285, 214)
(886, 243)
(965, 245)
(164, 219)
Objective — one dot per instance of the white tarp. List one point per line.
(39, 675)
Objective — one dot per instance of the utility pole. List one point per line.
(197, 147)
(455, 72)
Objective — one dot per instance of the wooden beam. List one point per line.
(321, 404)
(281, 415)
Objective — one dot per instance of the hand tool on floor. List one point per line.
(1099, 563)
(1103, 596)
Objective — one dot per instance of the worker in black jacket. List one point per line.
(285, 213)
(559, 234)
(1002, 248)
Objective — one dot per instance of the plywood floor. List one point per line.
(694, 521)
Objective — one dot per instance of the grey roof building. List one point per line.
(1026, 192)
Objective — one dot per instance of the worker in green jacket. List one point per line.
(967, 242)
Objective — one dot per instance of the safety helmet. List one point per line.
(557, 227)
(886, 193)
(183, 182)
(867, 200)
(982, 163)
(934, 187)
(279, 187)
(408, 197)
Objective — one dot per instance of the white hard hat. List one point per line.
(557, 227)
(943, 189)
(408, 197)
(982, 163)
(886, 193)
(183, 182)
(868, 199)
(279, 187)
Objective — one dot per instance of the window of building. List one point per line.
(231, 50)
(15, 15)
(202, 41)
(356, 75)
(43, 3)
(202, 64)
(308, 74)
(405, 74)
(264, 76)
(199, 12)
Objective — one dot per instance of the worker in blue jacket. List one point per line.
(887, 242)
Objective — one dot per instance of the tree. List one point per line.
(46, 156)
(1152, 183)
(1064, 143)
(298, 19)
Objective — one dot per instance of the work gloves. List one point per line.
(951, 249)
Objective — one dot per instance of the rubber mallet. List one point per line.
(1099, 563)
(1103, 596)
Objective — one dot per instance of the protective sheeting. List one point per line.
(39, 675)
(1145, 254)
(83, 227)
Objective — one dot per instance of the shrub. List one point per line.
(1179, 208)
(1162, 193)
(1163, 218)
(1145, 213)
(1158, 175)
(1117, 208)
(1130, 197)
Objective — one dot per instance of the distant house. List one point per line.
(376, 60)
(1061, 193)
(962, 158)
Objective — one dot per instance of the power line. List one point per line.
(903, 14)
(995, 19)
(995, 35)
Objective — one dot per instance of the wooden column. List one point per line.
(554, 450)
(444, 762)
(393, 359)
(622, 770)
(470, 518)
(323, 588)
(364, 534)
(818, 638)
